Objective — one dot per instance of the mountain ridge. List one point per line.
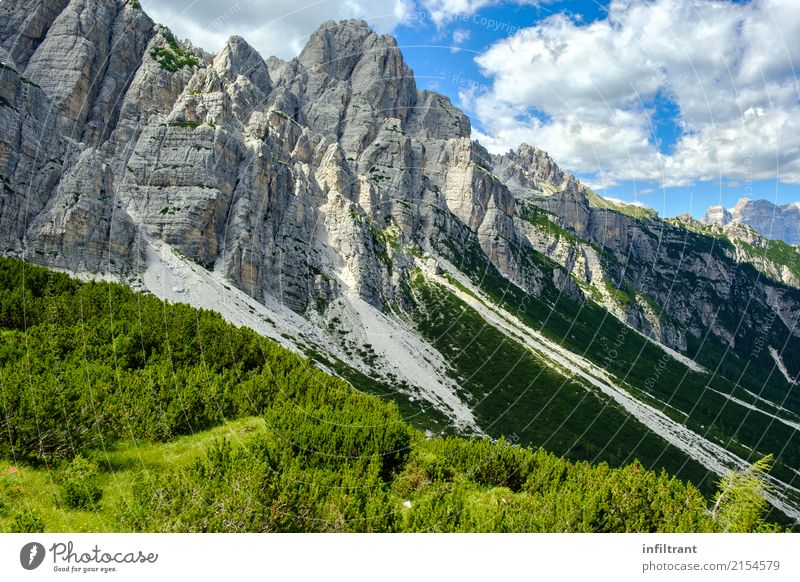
(330, 204)
(772, 221)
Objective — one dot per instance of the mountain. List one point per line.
(329, 204)
(769, 220)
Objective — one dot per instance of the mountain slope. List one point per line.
(328, 203)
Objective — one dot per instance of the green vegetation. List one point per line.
(694, 399)
(639, 212)
(34, 488)
(27, 521)
(189, 124)
(377, 175)
(543, 219)
(83, 364)
(173, 57)
(286, 116)
(624, 297)
(124, 413)
(776, 251)
(383, 241)
(514, 392)
(739, 504)
(445, 485)
(80, 488)
(396, 129)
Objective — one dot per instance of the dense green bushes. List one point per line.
(325, 436)
(263, 488)
(83, 365)
(79, 485)
(173, 57)
(268, 487)
(27, 521)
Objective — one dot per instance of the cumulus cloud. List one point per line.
(273, 27)
(587, 92)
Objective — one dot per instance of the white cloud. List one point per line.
(442, 12)
(460, 36)
(273, 27)
(584, 92)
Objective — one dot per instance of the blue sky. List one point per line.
(438, 68)
(674, 104)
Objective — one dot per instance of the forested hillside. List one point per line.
(121, 412)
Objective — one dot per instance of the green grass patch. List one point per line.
(36, 488)
(638, 212)
(173, 57)
(778, 252)
(543, 220)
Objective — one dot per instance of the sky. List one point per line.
(672, 104)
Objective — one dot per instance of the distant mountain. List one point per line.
(771, 221)
(328, 203)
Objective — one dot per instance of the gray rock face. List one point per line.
(349, 80)
(634, 264)
(31, 156)
(24, 24)
(71, 57)
(306, 179)
(717, 215)
(83, 225)
(533, 170)
(766, 218)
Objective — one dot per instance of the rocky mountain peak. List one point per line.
(350, 80)
(767, 219)
(716, 215)
(336, 48)
(239, 58)
(530, 169)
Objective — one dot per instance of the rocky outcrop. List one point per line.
(85, 59)
(532, 170)
(666, 279)
(348, 80)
